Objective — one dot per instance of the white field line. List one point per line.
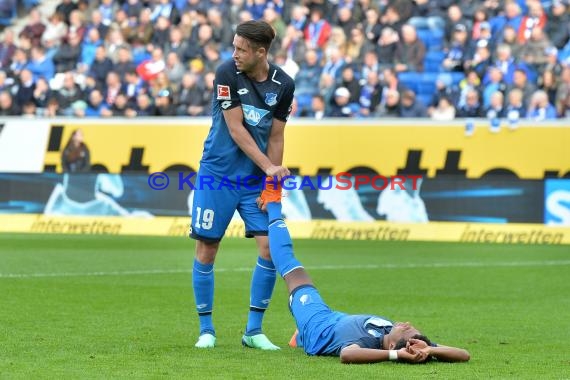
(510, 264)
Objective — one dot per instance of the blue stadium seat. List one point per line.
(425, 99)
(457, 77)
(433, 60)
(410, 79)
(433, 39)
(7, 15)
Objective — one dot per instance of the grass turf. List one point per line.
(122, 307)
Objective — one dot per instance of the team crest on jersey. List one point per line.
(223, 92)
(270, 99)
(253, 115)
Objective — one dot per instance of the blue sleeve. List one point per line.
(283, 108)
(225, 86)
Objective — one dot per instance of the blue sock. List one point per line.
(262, 283)
(203, 284)
(280, 244)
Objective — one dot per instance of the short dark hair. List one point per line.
(258, 33)
(402, 343)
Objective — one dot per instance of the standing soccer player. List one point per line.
(251, 103)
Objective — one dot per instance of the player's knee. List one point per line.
(206, 252)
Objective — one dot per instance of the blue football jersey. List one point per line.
(365, 330)
(261, 102)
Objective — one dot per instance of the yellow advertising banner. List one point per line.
(318, 229)
(528, 152)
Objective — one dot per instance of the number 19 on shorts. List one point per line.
(204, 220)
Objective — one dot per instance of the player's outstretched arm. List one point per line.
(355, 354)
(441, 353)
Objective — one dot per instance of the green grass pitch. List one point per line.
(91, 307)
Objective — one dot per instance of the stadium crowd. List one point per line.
(442, 59)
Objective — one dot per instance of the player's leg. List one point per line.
(212, 211)
(263, 277)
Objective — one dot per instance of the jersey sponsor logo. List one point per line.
(253, 115)
(226, 104)
(305, 299)
(223, 92)
(270, 99)
(243, 91)
(202, 306)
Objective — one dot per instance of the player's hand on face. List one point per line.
(416, 344)
(411, 355)
(277, 171)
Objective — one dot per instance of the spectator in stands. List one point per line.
(76, 156)
(520, 81)
(124, 62)
(19, 62)
(444, 110)
(163, 104)
(223, 35)
(515, 108)
(122, 23)
(348, 80)
(505, 63)
(495, 84)
(113, 87)
(144, 28)
(481, 60)
(7, 48)
(107, 9)
(133, 8)
(96, 22)
(29, 110)
(511, 18)
(40, 65)
(67, 56)
(25, 88)
(161, 33)
(392, 18)
(472, 106)
(69, 93)
(456, 51)
(558, 26)
(533, 52)
(510, 40)
(345, 19)
(6, 83)
(174, 69)
(76, 26)
(371, 26)
(41, 95)
(410, 51)
(455, 16)
(89, 48)
(391, 106)
(7, 105)
(114, 43)
(548, 82)
(539, 108)
(56, 30)
(196, 49)
(274, 19)
(536, 17)
(190, 90)
(120, 106)
(444, 88)
(95, 104)
(356, 46)
(370, 94)
(481, 25)
(386, 47)
(7, 9)
(307, 81)
(176, 43)
(563, 94)
(35, 28)
(410, 106)
(496, 106)
(165, 8)
(101, 66)
(341, 105)
(369, 64)
(317, 31)
(132, 86)
(317, 110)
(143, 107)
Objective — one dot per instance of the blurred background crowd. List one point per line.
(439, 59)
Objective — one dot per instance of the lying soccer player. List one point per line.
(322, 331)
